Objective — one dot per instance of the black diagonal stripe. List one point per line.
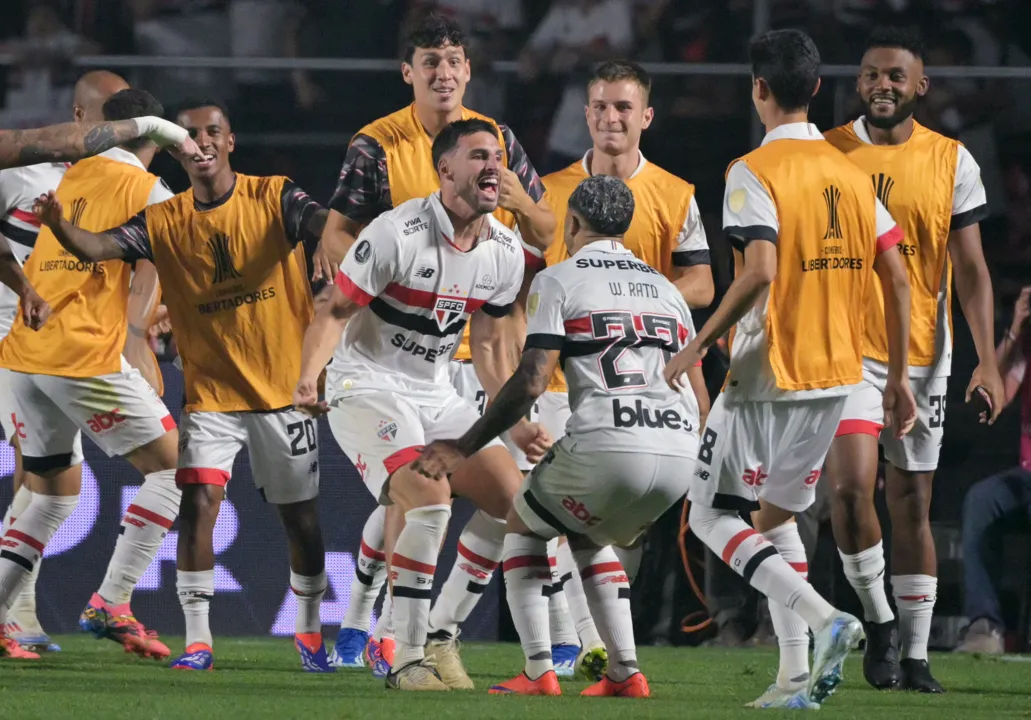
(690, 258)
(562, 581)
(475, 588)
(544, 514)
(16, 558)
(413, 593)
(18, 234)
(549, 590)
(580, 348)
(624, 593)
(363, 577)
(544, 341)
(416, 323)
(754, 562)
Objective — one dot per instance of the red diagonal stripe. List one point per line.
(150, 515)
(478, 559)
(735, 543)
(426, 299)
(578, 325)
(521, 561)
(370, 553)
(27, 539)
(592, 570)
(406, 563)
(801, 568)
(913, 598)
(25, 217)
(352, 291)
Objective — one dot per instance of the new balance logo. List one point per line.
(224, 268)
(425, 272)
(832, 197)
(883, 185)
(78, 208)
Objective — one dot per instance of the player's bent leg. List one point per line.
(593, 658)
(565, 644)
(851, 468)
(370, 573)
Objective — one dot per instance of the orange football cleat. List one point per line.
(521, 684)
(635, 686)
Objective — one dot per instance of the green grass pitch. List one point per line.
(261, 678)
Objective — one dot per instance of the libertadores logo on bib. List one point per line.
(449, 308)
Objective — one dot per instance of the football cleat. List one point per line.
(9, 648)
(563, 657)
(198, 656)
(916, 675)
(443, 654)
(313, 653)
(881, 657)
(778, 697)
(521, 684)
(379, 654)
(418, 676)
(30, 637)
(593, 663)
(635, 686)
(349, 651)
(117, 623)
(833, 642)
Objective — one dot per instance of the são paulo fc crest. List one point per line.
(449, 308)
(387, 430)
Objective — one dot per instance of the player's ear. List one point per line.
(231, 143)
(816, 89)
(649, 115)
(406, 73)
(923, 85)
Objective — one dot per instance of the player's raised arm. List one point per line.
(85, 245)
(69, 142)
(363, 192)
(522, 194)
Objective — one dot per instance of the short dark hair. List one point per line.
(132, 103)
(434, 30)
(203, 102)
(889, 36)
(447, 139)
(790, 64)
(605, 203)
(616, 70)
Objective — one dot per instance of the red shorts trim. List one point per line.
(168, 423)
(859, 427)
(473, 557)
(402, 457)
(150, 515)
(201, 476)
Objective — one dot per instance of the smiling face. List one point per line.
(438, 77)
(210, 130)
(617, 113)
(472, 171)
(890, 82)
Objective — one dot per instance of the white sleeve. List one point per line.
(500, 303)
(8, 190)
(545, 319)
(889, 234)
(159, 193)
(691, 247)
(371, 264)
(749, 212)
(969, 202)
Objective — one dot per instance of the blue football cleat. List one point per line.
(778, 697)
(832, 644)
(198, 656)
(349, 651)
(313, 653)
(380, 656)
(563, 658)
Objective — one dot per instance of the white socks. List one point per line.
(196, 589)
(309, 591)
(792, 631)
(147, 520)
(385, 625)
(480, 548)
(370, 572)
(630, 559)
(865, 573)
(914, 597)
(576, 600)
(413, 563)
(527, 580)
(560, 623)
(608, 594)
(24, 541)
(23, 608)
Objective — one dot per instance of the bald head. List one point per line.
(92, 91)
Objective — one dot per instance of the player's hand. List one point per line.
(48, 209)
(679, 364)
(532, 438)
(987, 383)
(34, 309)
(160, 325)
(188, 148)
(306, 398)
(438, 459)
(899, 407)
(325, 268)
(511, 194)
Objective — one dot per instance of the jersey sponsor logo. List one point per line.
(105, 421)
(832, 263)
(832, 198)
(579, 511)
(496, 235)
(418, 350)
(415, 225)
(387, 430)
(637, 415)
(813, 477)
(486, 283)
(883, 185)
(68, 262)
(224, 268)
(584, 263)
(424, 272)
(754, 478)
(78, 208)
(363, 252)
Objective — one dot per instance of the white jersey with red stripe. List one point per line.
(417, 290)
(19, 188)
(616, 321)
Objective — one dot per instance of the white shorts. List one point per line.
(282, 447)
(381, 432)
(7, 407)
(611, 497)
(554, 412)
(119, 411)
(467, 383)
(918, 451)
(769, 450)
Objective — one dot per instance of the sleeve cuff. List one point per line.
(739, 237)
(497, 311)
(690, 258)
(889, 239)
(355, 293)
(969, 217)
(544, 341)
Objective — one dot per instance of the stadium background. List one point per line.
(295, 105)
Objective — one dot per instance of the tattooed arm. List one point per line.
(69, 142)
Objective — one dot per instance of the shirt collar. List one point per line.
(859, 128)
(586, 163)
(447, 229)
(123, 156)
(794, 131)
(613, 247)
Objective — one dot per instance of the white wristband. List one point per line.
(161, 131)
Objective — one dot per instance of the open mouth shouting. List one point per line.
(488, 186)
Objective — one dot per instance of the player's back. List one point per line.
(85, 334)
(620, 320)
(807, 333)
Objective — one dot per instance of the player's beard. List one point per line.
(903, 110)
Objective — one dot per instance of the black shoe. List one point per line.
(916, 675)
(881, 659)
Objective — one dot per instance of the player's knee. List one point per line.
(411, 490)
(199, 504)
(301, 520)
(157, 455)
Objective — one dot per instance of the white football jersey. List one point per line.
(417, 290)
(19, 188)
(616, 321)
